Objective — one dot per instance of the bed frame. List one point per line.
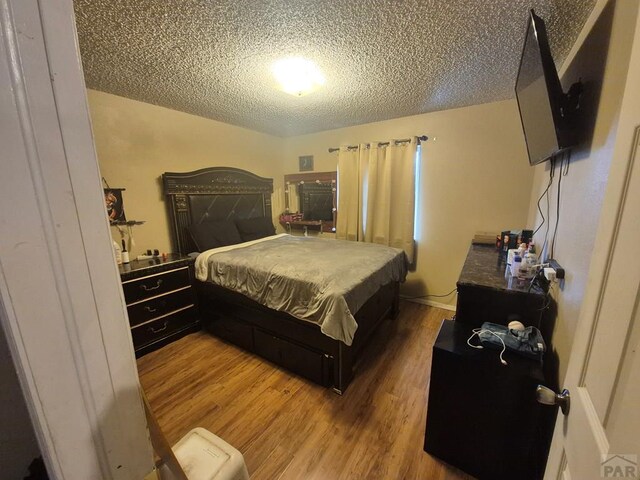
(228, 193)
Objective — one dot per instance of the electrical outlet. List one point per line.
(550, 274)
(560, 273)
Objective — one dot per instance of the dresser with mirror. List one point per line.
(310, 202)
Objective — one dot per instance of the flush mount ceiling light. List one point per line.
(297, 76)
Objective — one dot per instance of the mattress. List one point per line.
(323, 281)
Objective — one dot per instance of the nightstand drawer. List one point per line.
(155, 330)
(160, 305)
(153, 285)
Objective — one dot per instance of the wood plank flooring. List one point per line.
(289, 428)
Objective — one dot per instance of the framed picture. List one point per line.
(306, 163)
(114, 205)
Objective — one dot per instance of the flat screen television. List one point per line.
(546, 112)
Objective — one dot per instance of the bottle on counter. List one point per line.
(515, 265)
(522, 249)
(125, 254)
(530, 259)
(532, 247)
(117, 251)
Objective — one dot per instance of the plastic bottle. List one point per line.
(117, 251)
(515, 265)
(532, 247)
(505, 245)
(530, 259)
(125, 254)
(522, 249)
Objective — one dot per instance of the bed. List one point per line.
(316, 346)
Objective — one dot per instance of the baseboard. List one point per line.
(431, 303)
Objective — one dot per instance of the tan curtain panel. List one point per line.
(390, 196)
(349, 218)
(376, 194)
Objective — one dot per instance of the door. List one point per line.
(600, 436)
(61, 304)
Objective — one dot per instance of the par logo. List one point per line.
(619, 466)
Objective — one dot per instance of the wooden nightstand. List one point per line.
(161, 300)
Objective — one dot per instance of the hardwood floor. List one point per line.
(289, 428)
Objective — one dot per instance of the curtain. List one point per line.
(377, 192)
(349, 218)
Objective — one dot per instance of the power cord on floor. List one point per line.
(435, 296)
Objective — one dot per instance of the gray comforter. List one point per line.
(317, 280)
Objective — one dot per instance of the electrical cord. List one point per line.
(437, 296)
(478, 331)
(546, 231)
(545, 193)
(548, 299)
(555, 230)
(566, 168)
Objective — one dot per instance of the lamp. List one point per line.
(297, 76)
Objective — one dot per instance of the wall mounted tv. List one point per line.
(548, 114)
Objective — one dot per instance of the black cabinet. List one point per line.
(482, 416)
(161, 300)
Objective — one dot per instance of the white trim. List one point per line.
(581, 433)
(62, 304)
(431, 303)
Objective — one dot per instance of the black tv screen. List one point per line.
(540, 96)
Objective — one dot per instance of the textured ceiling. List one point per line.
(382, 59)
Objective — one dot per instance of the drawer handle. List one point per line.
(162, 329)
(148, 289)
(151, 309)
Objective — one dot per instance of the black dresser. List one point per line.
(161, 300)
(482, 416)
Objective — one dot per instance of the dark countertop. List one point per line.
(477, 273)
(140, 268)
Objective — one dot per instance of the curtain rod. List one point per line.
(421, 138)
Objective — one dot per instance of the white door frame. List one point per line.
(606, 307)
(61, 304)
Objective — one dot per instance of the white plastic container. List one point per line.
(205, 456)
(515, 265)
(512, 252)
(117, 251)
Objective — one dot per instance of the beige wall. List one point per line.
(475, 176)
(602, 64)
(136, 142)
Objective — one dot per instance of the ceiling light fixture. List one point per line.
(297, 76)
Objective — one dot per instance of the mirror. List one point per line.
(310, 201)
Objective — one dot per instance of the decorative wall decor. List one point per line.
(114, 205)
(306, 163)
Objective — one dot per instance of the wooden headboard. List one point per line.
(216, 193)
